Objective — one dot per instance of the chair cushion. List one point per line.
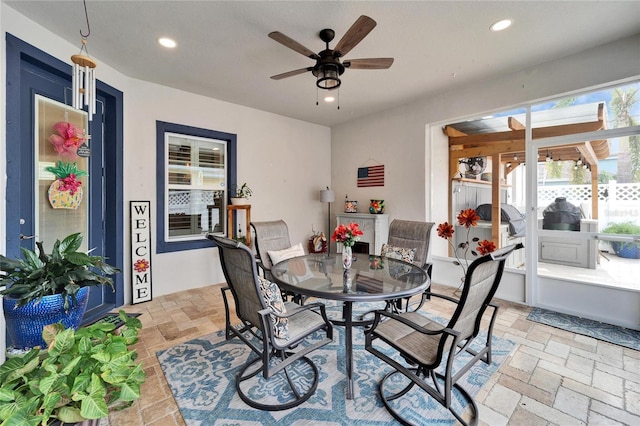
(273, 298)
(399, 253)
(278, 256)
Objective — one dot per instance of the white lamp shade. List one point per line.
(327, 196)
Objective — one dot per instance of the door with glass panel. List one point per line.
(58, 188)
(588, 187)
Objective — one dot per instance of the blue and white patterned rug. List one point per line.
(598, 330)
(201, 375)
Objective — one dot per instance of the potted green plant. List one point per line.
(44, 289)
(624, 249)
(82, 375)
(240, 195)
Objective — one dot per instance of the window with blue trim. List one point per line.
(196, 167)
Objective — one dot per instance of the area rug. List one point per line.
(598, 330)
(201, 375)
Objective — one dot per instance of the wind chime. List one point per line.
(83, 77)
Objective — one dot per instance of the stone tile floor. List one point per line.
(553, 377)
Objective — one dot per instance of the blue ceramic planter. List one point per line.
(629, 251)
(25, 323)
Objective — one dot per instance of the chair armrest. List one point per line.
(428, 267)
(290, 313)
(445, 297)
(407, 322)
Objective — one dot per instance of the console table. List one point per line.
(374, 226)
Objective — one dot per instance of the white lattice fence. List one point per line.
(190, 202)
(627, 192)
(611, 191)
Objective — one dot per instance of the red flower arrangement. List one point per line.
(467, 218)
(347, 234)
(70, 184)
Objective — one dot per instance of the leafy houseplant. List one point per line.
(244, 191)
(82, 375)
(624, 249)
(240, 195)
(43, 289)
(63, 272)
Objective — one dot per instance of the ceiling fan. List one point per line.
(328, 67)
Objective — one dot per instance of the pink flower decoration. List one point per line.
(67, 141)
(70, 184)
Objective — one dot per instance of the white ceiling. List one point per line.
(224, 52)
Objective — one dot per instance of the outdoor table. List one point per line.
(370, 279)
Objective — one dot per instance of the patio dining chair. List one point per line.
(270, 236)
(421, 346)
(413, 237)
(280, 333)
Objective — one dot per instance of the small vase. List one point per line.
(376, 207)
(347, 280)
(347, 257)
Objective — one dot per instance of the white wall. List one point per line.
(274, 153)
(415, 153)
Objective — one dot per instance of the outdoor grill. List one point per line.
(561, 215)
(508, 214)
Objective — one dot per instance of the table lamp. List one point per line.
(328, 196)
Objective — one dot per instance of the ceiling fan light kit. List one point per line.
(328, 67)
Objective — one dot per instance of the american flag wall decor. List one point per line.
(371, 176)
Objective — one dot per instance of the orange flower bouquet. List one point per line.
(467, 218)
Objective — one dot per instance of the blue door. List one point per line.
(48, 133)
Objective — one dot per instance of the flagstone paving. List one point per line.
(553, 377)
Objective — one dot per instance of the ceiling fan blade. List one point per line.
(292, 44)
(355, 34)
(369, 63)
(291, 73)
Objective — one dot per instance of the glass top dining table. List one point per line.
(370, 279)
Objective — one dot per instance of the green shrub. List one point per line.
(628, 228)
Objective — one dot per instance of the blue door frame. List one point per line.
(21, 55)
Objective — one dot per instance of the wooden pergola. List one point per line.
(506, 149)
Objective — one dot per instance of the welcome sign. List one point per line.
(140, 251)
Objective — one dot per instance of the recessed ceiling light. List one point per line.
(329, 98)
(167, 42)
(501, 25)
